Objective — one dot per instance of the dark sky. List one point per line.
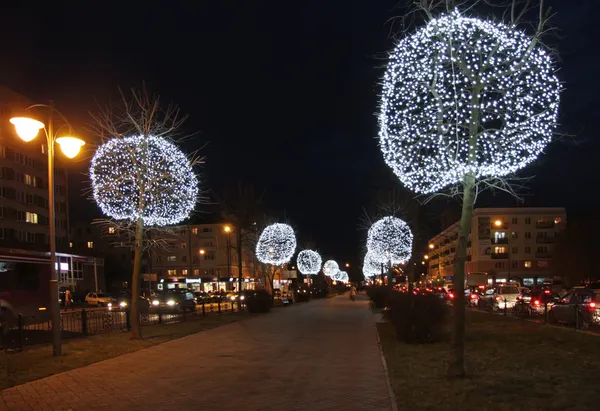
(285, 94)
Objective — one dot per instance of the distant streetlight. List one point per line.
(27, 129)
(347, 265)
(202, 251)
(228, 230)
(426, 257)
(431, 246)
(498, 223)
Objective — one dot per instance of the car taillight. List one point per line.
(473, 296)
(498, 298)
(536, 302)
(450, 295)
(592, 305)
(546, 291)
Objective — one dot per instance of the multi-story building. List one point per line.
(24, 186)
(24, 211)
(507, 243)
(204, 257)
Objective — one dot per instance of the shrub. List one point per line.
(378, 295)
(259, 301)
(417, 318)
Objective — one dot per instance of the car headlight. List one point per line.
(155, 302)
(109, 305)
(232, 298)
(171, 302)
(242, 298)
(123, 304)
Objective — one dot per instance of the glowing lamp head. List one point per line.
(202, 252)
(431, 246)
(498, 223)
(70, 146)
(27, 128)
(227, 229)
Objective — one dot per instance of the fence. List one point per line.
(27, 331)
(584, 316)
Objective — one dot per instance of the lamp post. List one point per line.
(227, 229)
(28, 129)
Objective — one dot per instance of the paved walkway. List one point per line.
(321, 355)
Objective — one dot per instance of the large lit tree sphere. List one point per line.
(147, 177)
(309, 262)
(464, 95)
(330, 268)
(390, 239)
(276, 244)
(370, 265)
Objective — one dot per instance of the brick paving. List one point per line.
(321, 355)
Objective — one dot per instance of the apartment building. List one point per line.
(24, 186)
(204, 257)
(24, 209)
(510, 244)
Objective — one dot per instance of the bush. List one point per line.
(259, 301)
(378, 295)
(417, 318)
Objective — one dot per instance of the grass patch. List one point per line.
(511, 365)
(37, 362)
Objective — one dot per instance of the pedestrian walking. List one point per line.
(68, 299)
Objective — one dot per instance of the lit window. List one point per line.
(43, 149)
(70, 243)
(31, 217)
(184, 271)
(196, 271)
(172, 258)
(499, 250)
(29, 180)
(90, 244)
(527, 264)
(194, 231)
(111, 230)
(171, 272)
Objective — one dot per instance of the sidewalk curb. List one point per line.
(387, 374)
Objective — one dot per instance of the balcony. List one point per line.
(544, 224)
(543, 255)
(544, 240)
(500, 240)
(499, 256)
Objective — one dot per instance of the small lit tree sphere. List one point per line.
(143, 176)
(390, 239)
(464, 95)
(309, 262)
(276, 244)
(370, 266)
(330, 268)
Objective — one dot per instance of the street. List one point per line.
(321, 355)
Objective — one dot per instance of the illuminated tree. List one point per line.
(330, 268)
(140, 179)
(389, 240)
(275, 247)
(466, 102)
(371, 267)
(309, 262)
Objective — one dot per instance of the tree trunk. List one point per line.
(457, 362)
(134, 316)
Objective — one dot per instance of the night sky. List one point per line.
(285, 96)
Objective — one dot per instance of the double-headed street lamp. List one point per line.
(28, 129)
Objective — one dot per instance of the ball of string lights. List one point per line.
(370, 266)
(143, 177)
(464, 95)
(390, 239)
(276, 244)
(330, 268)
(309, 262)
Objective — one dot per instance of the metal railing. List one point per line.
(28, 331)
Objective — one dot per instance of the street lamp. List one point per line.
(27, 129)
(227, 229)
(347, 265)
(426, 257)
(431, 246)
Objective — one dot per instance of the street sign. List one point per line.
(150, 277)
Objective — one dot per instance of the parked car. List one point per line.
(203, 297)
(578, 307)
(174, 302)
(99, 299)
(499, 297)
